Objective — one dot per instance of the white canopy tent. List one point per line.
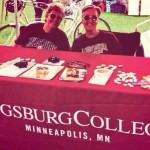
(139, 7)
(16, 17)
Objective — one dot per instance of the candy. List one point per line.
(127, 79)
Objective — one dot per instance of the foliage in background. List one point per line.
(118, 22)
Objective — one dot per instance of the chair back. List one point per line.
(130, 43)
(23, 28)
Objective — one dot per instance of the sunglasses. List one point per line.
(88, 17)
(53, 16)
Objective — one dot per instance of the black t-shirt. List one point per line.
(105, 42)
(34, 36)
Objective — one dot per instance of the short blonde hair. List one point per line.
(56, 7)
(92, 7)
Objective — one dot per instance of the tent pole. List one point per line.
(140, 7)
(2, 10)
(16, 18)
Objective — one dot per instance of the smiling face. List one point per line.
(53, 19)
(90, 19)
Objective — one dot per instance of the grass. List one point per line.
(124, 23)
(118, 22)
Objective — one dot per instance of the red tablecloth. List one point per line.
(58, 115)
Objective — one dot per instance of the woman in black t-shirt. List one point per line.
(45, 35)
(94, 40)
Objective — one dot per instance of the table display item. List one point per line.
(126, 78)
(73, 74)
(101, 76)
(77, 64)
(144, 83)
(22, 64)
(15, 67)
(110, 67)
(43, 72)
(54, 60)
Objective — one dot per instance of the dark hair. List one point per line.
(55, 7)
(92, 7)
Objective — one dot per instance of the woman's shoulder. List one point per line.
(35, 25)
(80, 37)
(60, 31)
(105, 32)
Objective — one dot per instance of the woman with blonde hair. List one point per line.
(45, 35)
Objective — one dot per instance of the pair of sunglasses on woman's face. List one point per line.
(88, 17)
(53, 16)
